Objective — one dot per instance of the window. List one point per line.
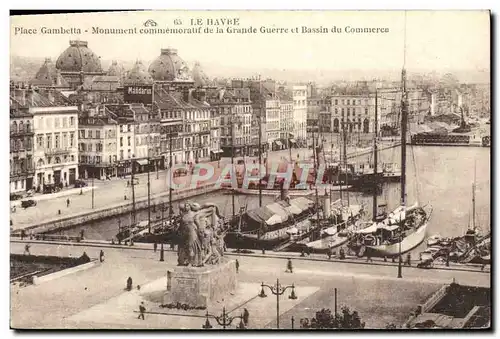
(58, 145)
(348, 111)
(39, 140)
(121, 154)
(65, 122)
(128, 140)
(98, 134)
(348, 103)
(72, 158)
(49, 141)
(366, 111)
(336, 102)
(56, 122)
(72, 121)
(71, 139)
(89, 133)
(82, 134)
(129, 128)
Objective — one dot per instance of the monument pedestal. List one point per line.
(198, 287)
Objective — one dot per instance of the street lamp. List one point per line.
(400, 275)
(278, 290)
(223, 320)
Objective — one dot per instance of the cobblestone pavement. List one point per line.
(364, 288)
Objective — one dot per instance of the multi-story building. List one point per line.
(313, 109)
(55, 124)
(286, 118)
(22, 167)
(235, 110)
(170, 114)
(353, 109)
(325, 116)
(299, 111)
(97, 144)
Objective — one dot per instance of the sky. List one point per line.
(435, 40)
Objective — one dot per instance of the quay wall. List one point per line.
(57, 224)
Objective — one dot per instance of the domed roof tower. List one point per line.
(199, 77)
(48, 76)
(115, 69)
(169, 67)
(78, 58)
(138, 75)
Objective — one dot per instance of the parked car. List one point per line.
(15, 196)
(180, 172)
(28, 203)
(80, 183)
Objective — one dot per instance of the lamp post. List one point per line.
(278, 290)
(93, 176)
(223, 320)
(400, 275)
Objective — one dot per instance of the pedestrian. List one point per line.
(408, 259)
(101, 256)
(341, 253)
(82, 233)
(172, 246)
(23, 234)
(237, 266)
(368, 258)
(67, 202)
(246, 316)
(142, 309)
(329, 253)
(263, 251)
(81, 191)
(129, 284)
(27, 249)
(155, 246)
(302, 253)
(289, 266)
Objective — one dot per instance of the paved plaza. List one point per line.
(95, 298)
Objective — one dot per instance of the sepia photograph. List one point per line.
(250, 170)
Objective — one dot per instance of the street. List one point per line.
(361, 287)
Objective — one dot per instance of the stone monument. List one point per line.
(203, 275)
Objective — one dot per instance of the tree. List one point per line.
(325, 319)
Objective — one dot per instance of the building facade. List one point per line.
(286, 118)
(97, 145)
(22, 166)
(235, 110)
(56, 145)
(299, 111)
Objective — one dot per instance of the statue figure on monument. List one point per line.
(200, 234)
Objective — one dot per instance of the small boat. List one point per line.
(271, 225)
(397, 235)
(339, 234)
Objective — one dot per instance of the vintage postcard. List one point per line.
(250, 170)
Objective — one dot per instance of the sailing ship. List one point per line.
(472, 247)
(404, 228)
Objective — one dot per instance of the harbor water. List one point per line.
(439, 176)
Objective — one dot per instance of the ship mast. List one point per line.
(260, 160)
(315, 151)
(404, 123)
(133, 194)
(474, 199)
(345, 162)
(375, 159)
